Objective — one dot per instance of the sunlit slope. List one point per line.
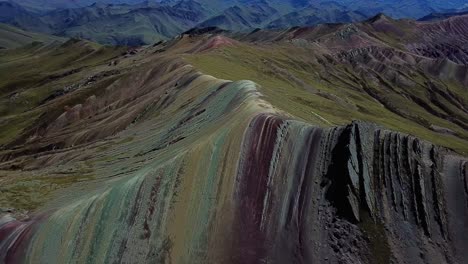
(33, 75)
(162, 192)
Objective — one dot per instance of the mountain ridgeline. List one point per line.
(136, 22)
(331, 143)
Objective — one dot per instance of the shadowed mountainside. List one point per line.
(110, 24)
(397, 8)
(130, 22)
(138, 155)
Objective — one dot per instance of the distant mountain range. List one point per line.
(440, 16)
(135, 22)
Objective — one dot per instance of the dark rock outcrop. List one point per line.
(361, 193)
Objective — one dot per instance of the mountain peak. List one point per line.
(379, 18)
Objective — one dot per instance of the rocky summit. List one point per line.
(319, 143)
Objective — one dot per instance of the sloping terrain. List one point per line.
(380, 71)
(238, 148)
(11, 37)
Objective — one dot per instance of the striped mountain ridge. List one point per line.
(175, 193)
(221, 147)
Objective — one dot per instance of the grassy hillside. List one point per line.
(12, 37)
(294, 86)
(33, 73)
(333, 74)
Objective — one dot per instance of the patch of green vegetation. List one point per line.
(345, 102)
(240, 64)
(103, 148)
(126, 140)
(375, 232)
(12, 37)
(12, 127)
(34, 65)
(31, 192)
(30, 74)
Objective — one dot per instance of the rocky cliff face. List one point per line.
(350, 194)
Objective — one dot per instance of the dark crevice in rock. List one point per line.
(464, 174)
(340, 194)
(437, 196)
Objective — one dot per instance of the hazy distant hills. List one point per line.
(110, 24)
(11, 37)
(392, 7)
(135, 22)
(440, 16)
(242, 17)
(317, 14)
(40, 5)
